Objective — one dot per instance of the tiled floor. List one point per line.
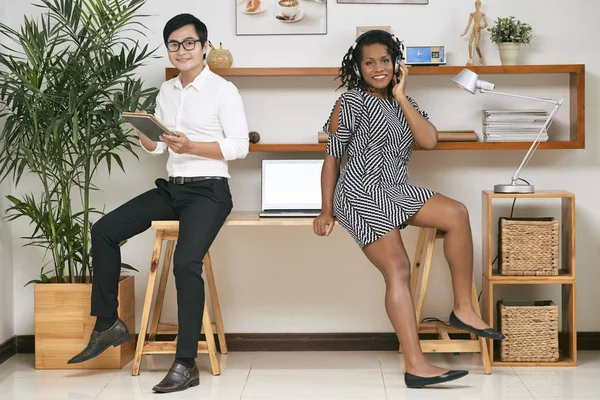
(296, 376)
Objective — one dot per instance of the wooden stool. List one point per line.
(426, 243)
(169, 230)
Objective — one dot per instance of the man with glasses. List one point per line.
(207, 116)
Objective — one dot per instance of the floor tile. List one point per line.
(293, 363)
(324, 383)
(550, 383)
(477, 386)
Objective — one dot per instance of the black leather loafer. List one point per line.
(178, 378)
(488, 333)
(100, 341)
(417, 382)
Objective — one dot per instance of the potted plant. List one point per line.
(65, 79)
(509, 34)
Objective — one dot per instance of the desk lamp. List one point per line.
(470, 81)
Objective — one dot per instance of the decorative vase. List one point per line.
(509, 53)
(219, 58)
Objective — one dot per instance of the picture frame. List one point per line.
(362, 29)
(269, 17)
(383, 1)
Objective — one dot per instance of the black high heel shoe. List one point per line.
(488, 333)
(418, 382)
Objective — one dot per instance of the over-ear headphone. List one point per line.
(396, 60)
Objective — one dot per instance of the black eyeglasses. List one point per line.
(188, 45)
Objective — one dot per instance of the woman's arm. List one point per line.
(425, 133)
(329, 177)
(324, 223)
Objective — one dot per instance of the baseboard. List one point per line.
(588, 340)
(296, 342)
(26, 344)
(8, 349)
(312, 342)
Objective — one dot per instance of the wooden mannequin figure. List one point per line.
(476, 18)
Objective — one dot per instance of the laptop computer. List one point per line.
(291, 188)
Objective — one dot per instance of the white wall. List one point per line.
(284, 279)
(7, 323)
(7, 283)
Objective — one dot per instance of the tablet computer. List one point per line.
(148, 124)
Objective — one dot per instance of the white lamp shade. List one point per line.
(470, 81)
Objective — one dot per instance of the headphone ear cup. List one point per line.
(397, 65)
(356, 69)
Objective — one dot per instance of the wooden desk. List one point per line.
(168, 230)
(244, 218)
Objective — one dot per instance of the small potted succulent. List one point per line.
(509, 33)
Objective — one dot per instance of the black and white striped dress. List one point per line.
(372, 195)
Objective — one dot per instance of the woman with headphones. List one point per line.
(377, 125)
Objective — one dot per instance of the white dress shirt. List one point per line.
(209, 109)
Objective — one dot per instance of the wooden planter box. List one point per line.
(63, 325)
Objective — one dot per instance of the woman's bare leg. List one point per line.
(389, 256)
(452, 217)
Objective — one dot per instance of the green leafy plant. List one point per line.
(65, 79)
(509, 30)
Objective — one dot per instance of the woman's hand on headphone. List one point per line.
(400, 87)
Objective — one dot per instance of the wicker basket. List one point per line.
(531, 330)
(528, 246)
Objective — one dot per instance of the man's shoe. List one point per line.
(488, 333)
(417, 382)
(178, 378)
(100, 341)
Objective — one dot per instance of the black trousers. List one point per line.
(201, 208)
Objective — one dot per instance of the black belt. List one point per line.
(180, 180)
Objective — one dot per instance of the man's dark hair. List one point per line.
(181, 20)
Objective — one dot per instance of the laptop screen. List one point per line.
(291, 184)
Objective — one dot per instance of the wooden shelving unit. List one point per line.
(320, 147)
(566, 277)
(576, 101)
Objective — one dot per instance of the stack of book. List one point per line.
(514, 125)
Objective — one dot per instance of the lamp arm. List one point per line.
(534, 145)
(520, 97)
(536, 142)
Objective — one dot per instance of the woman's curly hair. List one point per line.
(354, 55)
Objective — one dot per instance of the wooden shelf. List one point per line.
(320, 147)
(491, 278)
(564, 277)
(416, 70)
(287, 147)
(538, 194)
(563, 361)
(576, 103)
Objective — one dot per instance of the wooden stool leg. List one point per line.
(210, 342)
(430, 245)
(137, 360)
(162, 287)
(485, 357)
(214, 300)
(426, 241)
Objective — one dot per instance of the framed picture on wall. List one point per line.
(280, 17)
(362, 29)
(383, 1)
